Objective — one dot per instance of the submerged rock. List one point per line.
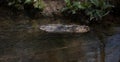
(60, 28)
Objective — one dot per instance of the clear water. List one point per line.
(23, 42)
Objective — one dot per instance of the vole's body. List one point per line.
(65, 28)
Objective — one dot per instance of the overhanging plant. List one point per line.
(20, 3)
(94, 9)
(99, 9)
(71, 7)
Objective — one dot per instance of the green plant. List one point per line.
(39, 4)
(71, 7)
(95, 9)
(20, 3)
(99, 9)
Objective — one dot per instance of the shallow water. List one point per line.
(113, 48)
(24, 42)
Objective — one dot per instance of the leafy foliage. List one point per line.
(20, 3)
(29, 8)
(73, 7)
(100, 9)
(95, 9)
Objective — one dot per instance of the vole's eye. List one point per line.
(87, 28)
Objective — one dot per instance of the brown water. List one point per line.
(22, 41)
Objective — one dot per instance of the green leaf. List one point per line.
(82, 6)
(86, 5)
(95, 2)
(64, 9)
(39, 4)
(28, 1)
(106, 13)
(106, 6)
(101, 3)
(73, 11)
(99, 13)
(68, 3)
(76, 3)
(11, 3)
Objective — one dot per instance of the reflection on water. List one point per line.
(113, 49)
(20, 42)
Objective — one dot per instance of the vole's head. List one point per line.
(82, 29)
